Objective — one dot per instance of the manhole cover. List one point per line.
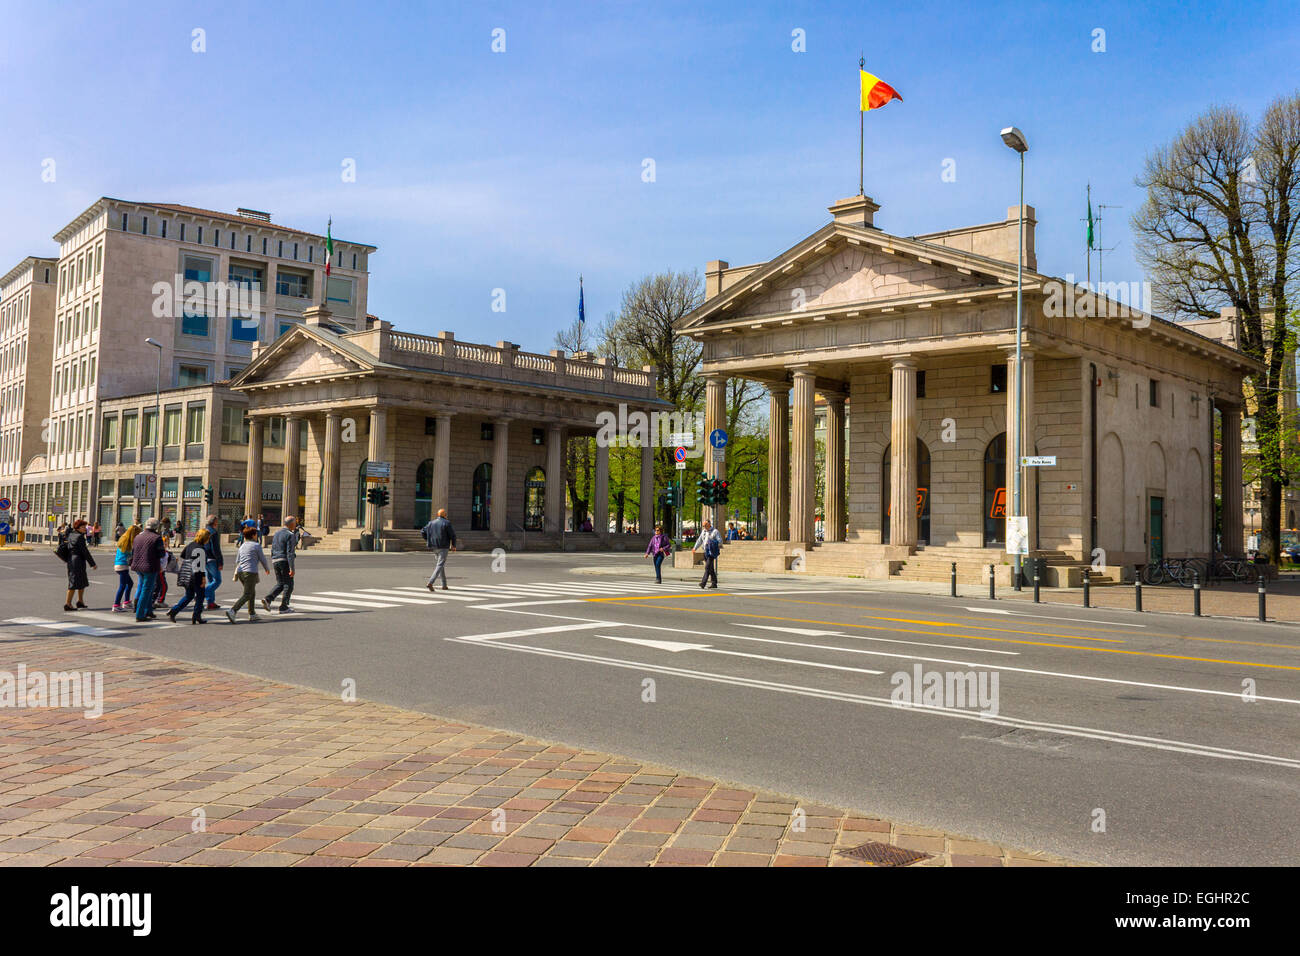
(163, 672)
(883, 854)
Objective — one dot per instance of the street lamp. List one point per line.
(157, 425)
(1016, 140)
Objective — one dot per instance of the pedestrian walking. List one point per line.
(659, 548)
(96, 533)
(710, 540)
(250, 556)
(216, 561)
(146, 561)
(119, 531)
(263, 528)
(122, 565)
(193, 565)
(284, 545)
(439, 537)
(168, 565)
(78, 557)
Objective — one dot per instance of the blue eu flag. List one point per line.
(582, 309)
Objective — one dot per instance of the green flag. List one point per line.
(1091, 243)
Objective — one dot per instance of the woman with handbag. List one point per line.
(78, 557)
(192, 577)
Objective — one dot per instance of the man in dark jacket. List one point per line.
(146, 561)
(215, 562)
(440, 537)
(284, 546)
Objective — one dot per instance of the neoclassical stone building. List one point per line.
(451, 418)
(915, 337)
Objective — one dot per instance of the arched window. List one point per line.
(535, 499)
(995, 492)
(424, 493)
(361, 494)
(922, 494)
(480, 515)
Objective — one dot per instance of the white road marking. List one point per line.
(445, 595)
(348, 602)
(675, 646)
(1050, 617)
(385, 597)
(479, 638)
(498, 607)
(885, 640)
(1132, 740)
(84, 629)
(320, 608)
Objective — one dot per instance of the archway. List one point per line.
(922, 494)
(480, 515)
(995, 492)
(535, 499)
(424, 493)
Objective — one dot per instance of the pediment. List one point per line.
(299, 356)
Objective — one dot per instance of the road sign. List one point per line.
(681, 466)
(1037, 461)
(24, 507)
(719, 454)
(682, 438)
(718, 438)
(679, 454)
(4, 527)
(4, 504)
(378, 469)
(145, 484)
(58, 505)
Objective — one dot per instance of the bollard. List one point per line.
(1196, 594)
(1262, 615)
(1035, 588)
(1087, 597)
(953, 586)
(1137, 593)
(992, 596)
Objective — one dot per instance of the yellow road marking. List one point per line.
(1000, 640)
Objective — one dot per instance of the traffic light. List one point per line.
(207, 494)
(720, 493)
(704, 491)
(383, 497)
(372, 495)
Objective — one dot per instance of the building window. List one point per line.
(124, 222)
(110, 433)
(216, 237)
(192, 323)
(354, 260)
(285, 326)
(274, 433)
(1154, 393)
(485, 431)
(200, 239)
(149, 429)
(188, 375)
(195, 419)
(129, 422)
(243, 329)
(248, 243)
(144, 225)
(539, 436)
(998, 380)
(182, 232)
(430, 425)
(163, 227)
(197, 269)
(295, 252)
(264, 246)
(292, 284)
(234, 425)
(338, 290)
(280, 249)
(172, 426)
(920, 384)
(250, 276)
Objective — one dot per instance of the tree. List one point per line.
(1218, 228)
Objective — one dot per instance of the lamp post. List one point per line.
(157, 427)
(1015, 139)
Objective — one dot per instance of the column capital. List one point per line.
(902, 361)
(334, 416)
(803, 371)
(714, 376)
(1026, 351)
(778, 388)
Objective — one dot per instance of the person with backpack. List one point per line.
(439, 537)
(711, 541)
(122, 565)
(659, 548)
(73, 550)
(250, 556)
(193, 564)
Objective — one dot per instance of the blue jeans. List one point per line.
(193, 593)
(144, 594)
(659, 560)
(214, 582)
(123, 588)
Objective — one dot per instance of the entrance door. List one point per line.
(1156, 524)
(922, 494)
(480, 516)
(535, 499)
(424, 493)
(995, 492)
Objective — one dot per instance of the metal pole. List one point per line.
(157, 450)
(1196, 594)
(992, 594)
(1035, 587)
(953, 587)
(1020, 407)
(1262, 615)
(1087, 596)
(1137, 593)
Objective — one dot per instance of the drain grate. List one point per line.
(883, 854)
(162, 672)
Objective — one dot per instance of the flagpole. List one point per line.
(862, 65)
(1088, 239)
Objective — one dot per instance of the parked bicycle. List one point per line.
(1181, 571)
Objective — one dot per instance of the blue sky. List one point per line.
(519, 170)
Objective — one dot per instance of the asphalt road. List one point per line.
(790, 685)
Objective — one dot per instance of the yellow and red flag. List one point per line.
(876, 92)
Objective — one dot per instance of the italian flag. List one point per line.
(329, 246)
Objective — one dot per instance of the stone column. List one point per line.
(253, 478)
(1026, 426)
(645, 523)
(834, 490)
(902, 454)
(803, 459)
(500, 501)
(715, 416)
(778, 462)
(1234, 532)
(555, 480)
(292, 488)
(600, 493)
(333, 454)
(377, 451)
(441, 492)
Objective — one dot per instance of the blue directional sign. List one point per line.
(718, 438)
(4, 528)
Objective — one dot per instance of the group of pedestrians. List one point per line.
(145, 552)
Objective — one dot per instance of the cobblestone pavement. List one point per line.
(193, 765)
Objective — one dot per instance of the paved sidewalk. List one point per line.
(193, 765)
